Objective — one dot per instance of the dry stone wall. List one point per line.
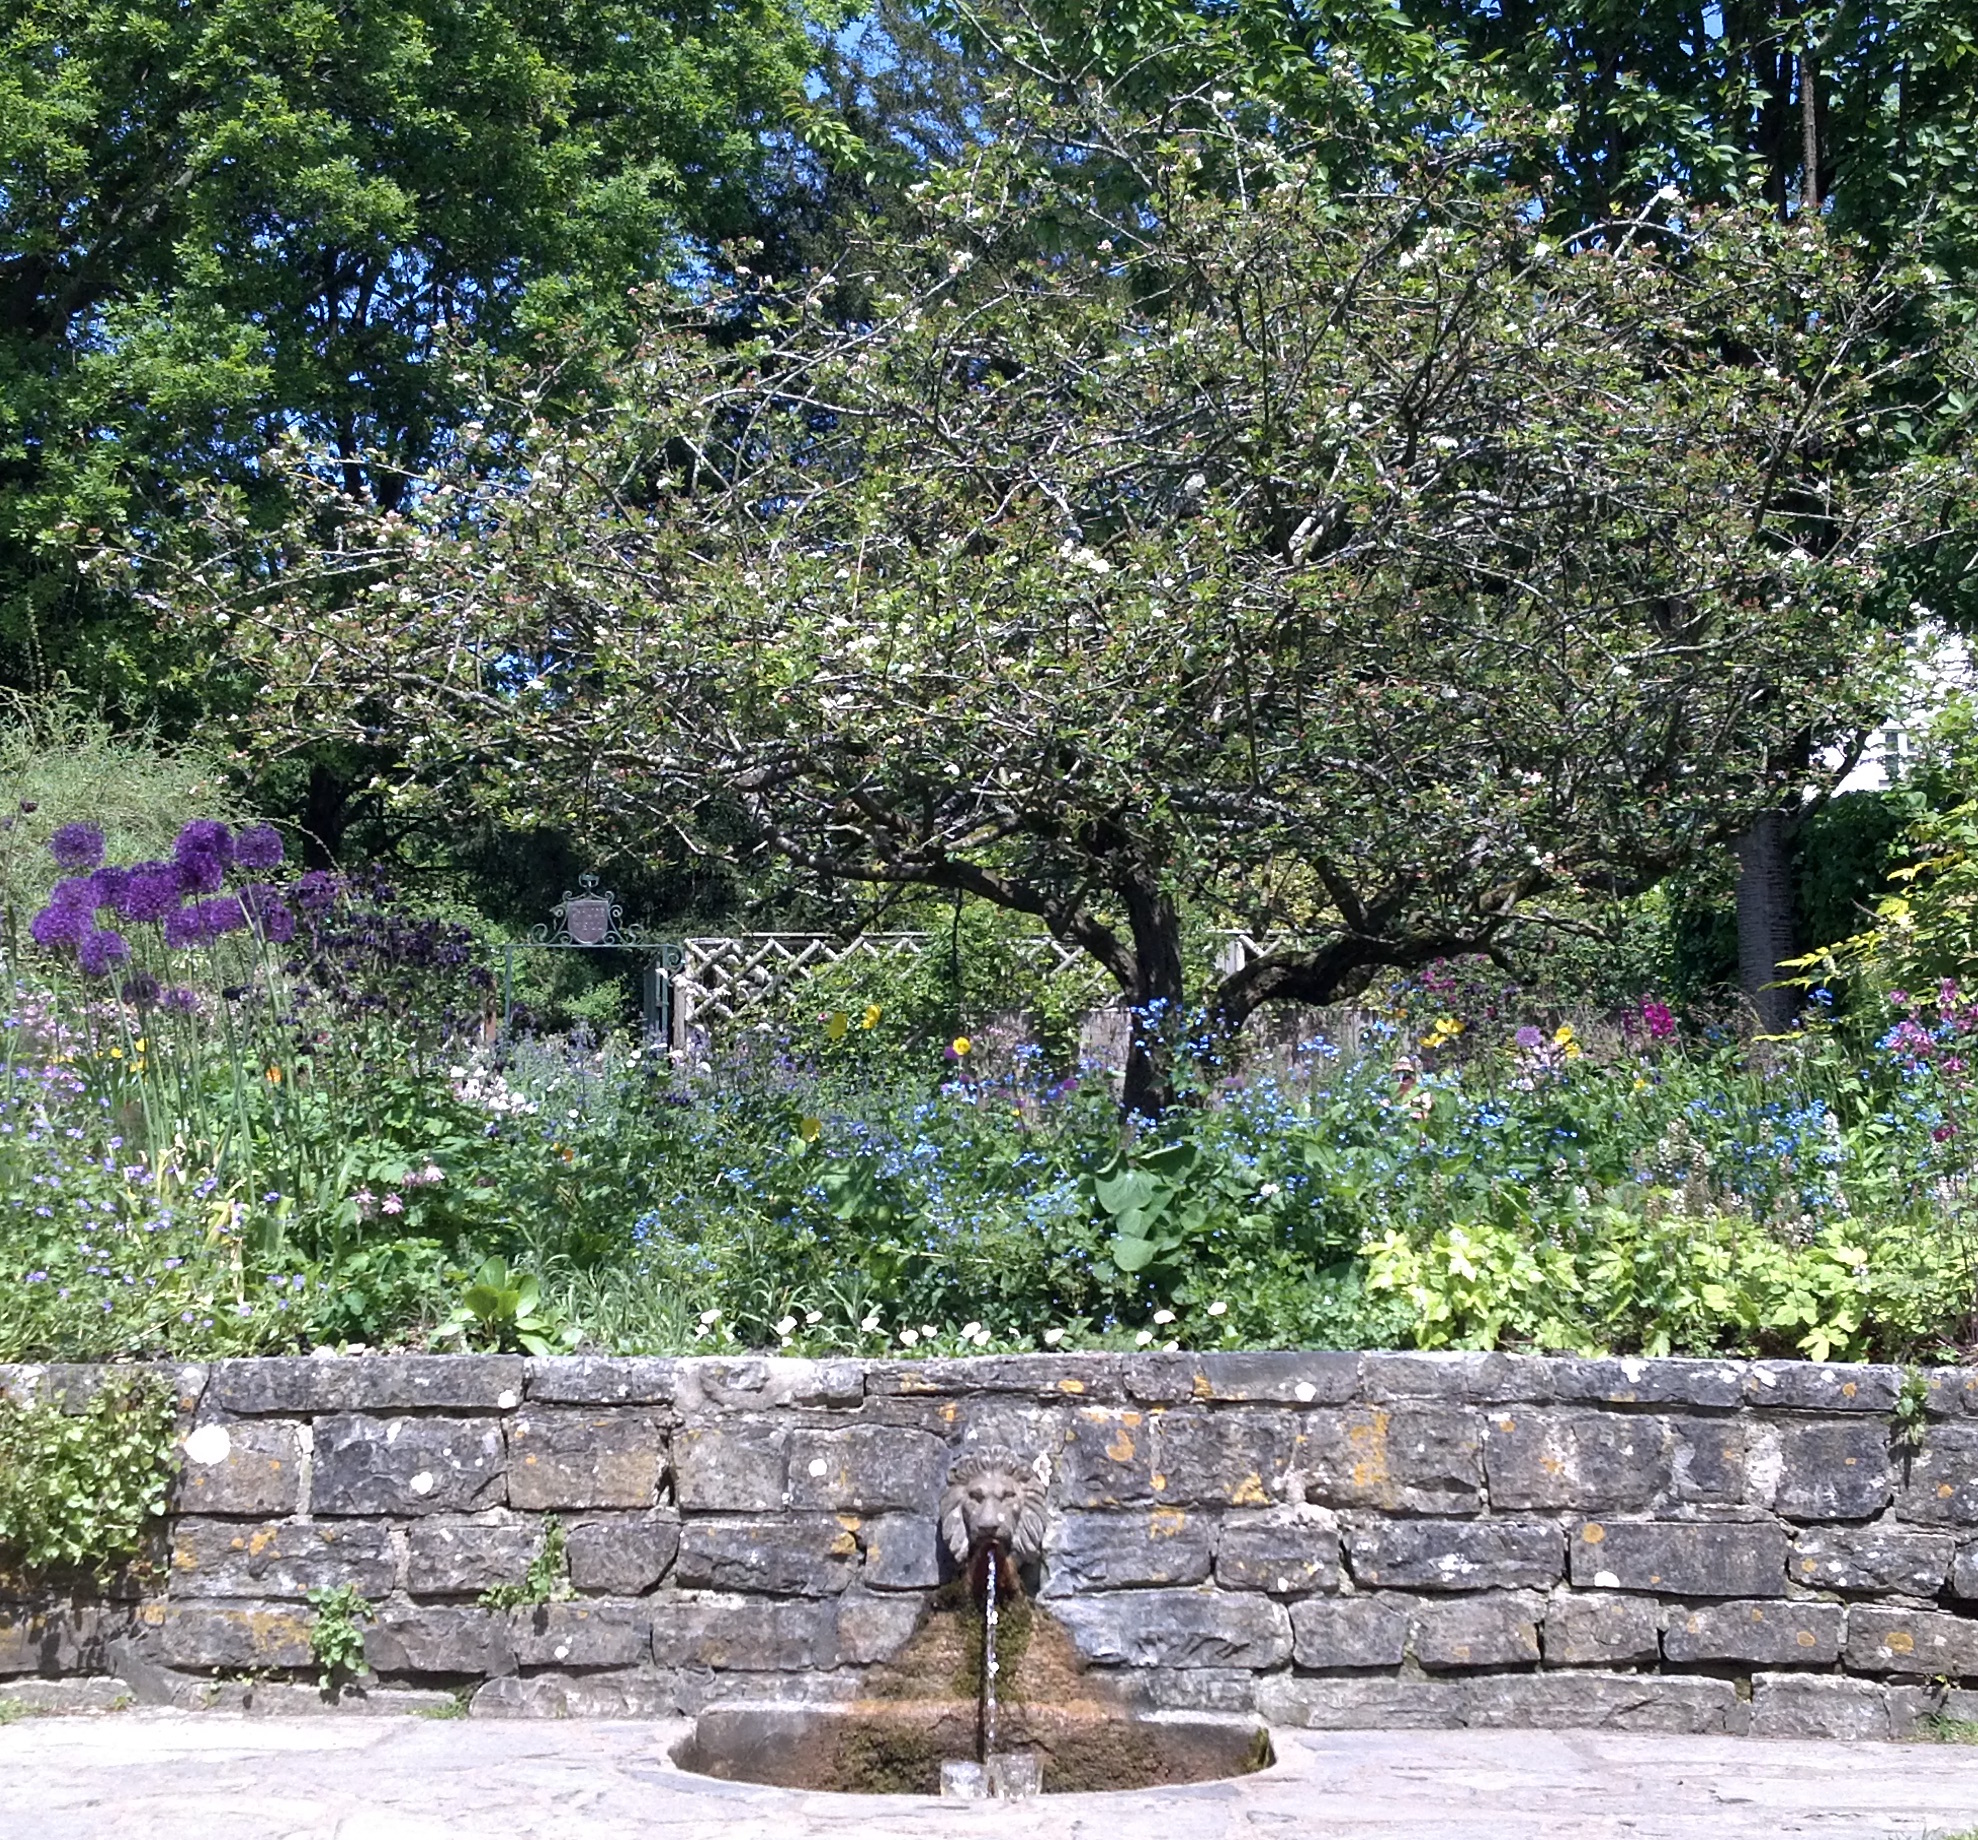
(1331, 1540)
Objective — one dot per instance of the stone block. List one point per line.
(1601, 1630)
(1350, 1632)
(1612, 1461)
(1681, 1558)
(1603, 1702)
(576, 1457)
(1953, 1390)
(712, 1385)
(1288, 1552)
(1635, 1380)
(873, 1629)
(1821, 1386)
(758, 1637)
(71, 1639)
(1136, 1546)
(1107, 1460)
(1883, 1639)
(1880, 1558)
(790, 1555)
(1435, 1555)
(1194, 1689)
(1476, 1379)
(1709, 1459)
(1817, 1706)
(1225, 1459)
(867, 1469)
(1242, 1377)
(1406, 1459)
(239, 1468)
(1361, 1705)
(1774, 1632)
(1964, 1572)
(601, 1380)
(617, 1695)
(584, 1632)
(1814, 1470)
(1176, 1629)
(281, 1559)
(901, 1552)
(59, 1696)
(1942, 1478)
(1494, 1629)
(315, 1384)
(233, 1635)
(622, 1555)
(407, 1466)
(736, 1468)
(456, 1639)
(454, 1558)
(1089, 1377)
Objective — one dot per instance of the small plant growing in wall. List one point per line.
(336, 1637)
(502, 1309)
(547, 1581)
(79, 1490)
(1912, 1403)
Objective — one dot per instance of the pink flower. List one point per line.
(394, 1205)
(1658, 1019)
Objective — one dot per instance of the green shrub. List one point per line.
(80, 1489)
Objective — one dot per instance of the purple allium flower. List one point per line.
(277, 923)
(59, 926)
(77, 892)
(77, 846)
(201, 872)
(184, 927)
(1529, 1038)
(141, 987)
(259, 846)
(110, 884)
(151, 892)
(223, 914)
(100, 949)
(204, 837)
(179, 1000)
(315, 890)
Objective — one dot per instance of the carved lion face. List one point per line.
(992, 1494)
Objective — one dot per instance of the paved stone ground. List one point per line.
(211, 1776)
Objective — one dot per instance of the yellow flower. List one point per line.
(1443, 1029)
(140, 1044)
(274, 1076)
(871, 1016)
(961, 1044)
(808, 1129)
(1562, 1038)
(836, 1024)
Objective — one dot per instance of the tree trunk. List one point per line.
(1809, 134)
(1157, 1001)
(1765, 919)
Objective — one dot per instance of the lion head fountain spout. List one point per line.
(993, 1498)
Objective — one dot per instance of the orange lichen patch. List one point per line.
(844, 1545)
(1806, 1638)
(1593, 1533)
(1200, 1387)
(1901, 1642)
(1159, 1480)
(262, 1538)
(1071, 1386)
(1121, 1448)
(1847, 1389)
(948, 1413)
(1945, 1491)
(1369, 1445)
(1165, 1523)
(1250, 1492)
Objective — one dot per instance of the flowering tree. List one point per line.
(1372, 567)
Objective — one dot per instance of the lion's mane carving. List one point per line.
(992, 1494)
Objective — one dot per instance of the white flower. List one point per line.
(784, 1327)
(929, 1330)
(709, 1318)
(908, 1337)
(1143, 1338)
(1164, 1316)
(1269, 1190)
(969, 1329)
(982, 1338)
(1219, 1308)
(871, 1322)
(1052, 1337)
(1170, 1347)
(813, 1316)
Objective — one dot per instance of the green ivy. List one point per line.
(79, 1489)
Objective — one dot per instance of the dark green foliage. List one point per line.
(81, 1486)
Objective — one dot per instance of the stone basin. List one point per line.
(891, 1747)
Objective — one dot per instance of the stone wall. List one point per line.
(1331, 1539)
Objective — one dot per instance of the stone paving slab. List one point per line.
(210, 1776)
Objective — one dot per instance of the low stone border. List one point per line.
(1332, 1540)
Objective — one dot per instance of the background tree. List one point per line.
(1380, 534)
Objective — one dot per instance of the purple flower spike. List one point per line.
(77, 846)
(77, 892)
(59, 926)
(151, 893)
(316, 889)
(110, 885)
(100, 949)
(259, 846)
(277, 924)
(205, 837)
